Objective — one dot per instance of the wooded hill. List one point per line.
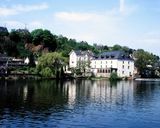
(21, 43)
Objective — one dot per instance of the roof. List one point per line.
(83, 53)
(120, 55)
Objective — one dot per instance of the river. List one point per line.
(79, 104)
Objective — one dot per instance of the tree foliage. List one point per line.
(45, 38)
(145, 62)
(52, 61)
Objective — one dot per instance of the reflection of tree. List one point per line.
(41, 96)
(144, 91)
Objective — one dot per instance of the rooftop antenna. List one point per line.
(5, 25)
(25, 25)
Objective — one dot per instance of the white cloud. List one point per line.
(122, 6)
(17, 9)
(6, 12)
(92, 27)
(73, 16)
(125, 9)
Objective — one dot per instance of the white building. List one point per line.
(80, 58)
(116, 61)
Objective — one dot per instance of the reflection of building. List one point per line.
(99, 92)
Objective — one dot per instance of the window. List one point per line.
(122, 72)
(106, 62)
(128, 67)
(101, 62)
(130, 74)
(123, 62)
(111, 62)
(101, 66)
(128, 62)
(72, 61)
(123, 66)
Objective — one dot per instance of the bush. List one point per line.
(114, 77)
(46, 72)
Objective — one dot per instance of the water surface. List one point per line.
(80, 104)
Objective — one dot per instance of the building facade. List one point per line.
(116, 61)
(80, 60)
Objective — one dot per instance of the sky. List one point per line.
(132, 23)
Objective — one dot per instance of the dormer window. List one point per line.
(112, 56)
(102, 57)
(107, 57)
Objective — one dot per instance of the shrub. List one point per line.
(114, 77)
(46, 72)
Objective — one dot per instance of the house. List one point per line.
(80, 59)
(116, 61)
(26, 61)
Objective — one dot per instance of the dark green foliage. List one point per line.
(116, 47)
(14, 36)
(45, 38)
(145, 62)
(32, 60)
(25, 35)
(114, 77)
(37, 36)
(3, 31)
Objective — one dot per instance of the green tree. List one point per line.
(114, 77)
(14, 36)
(45, 38)
(53, 62)
(116, 47)
(49, 40)
(37, 36)
(145, 61)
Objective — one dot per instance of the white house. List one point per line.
(115, 61)
(26, 61)
(78, 58)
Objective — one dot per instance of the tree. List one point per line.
(116, 47)
(53, 62)
(3, 31)
(145, 61)
(14, 36)
(37, 36)
(25, 35)
(45, 38)
(49, 40)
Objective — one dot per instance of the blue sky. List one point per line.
(132, 23)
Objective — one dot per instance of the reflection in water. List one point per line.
(82, 103)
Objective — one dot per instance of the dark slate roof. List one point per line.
(81, 53)
(121, 55)
(78, 52)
